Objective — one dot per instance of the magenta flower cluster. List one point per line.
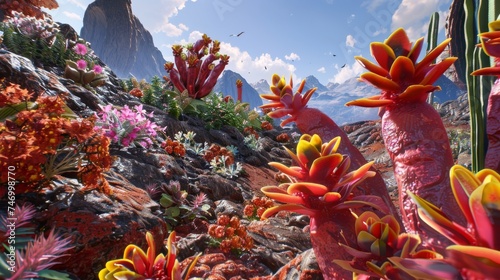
(128, 126)
(81, 50)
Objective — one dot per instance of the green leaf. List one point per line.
(166, 201)
(52, 274)
(173, 212)
(10, 111)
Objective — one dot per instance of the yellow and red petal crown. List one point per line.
(398, 74)
(283, 101)
(490, 43)
(319, 180)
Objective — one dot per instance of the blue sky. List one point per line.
(288, 37)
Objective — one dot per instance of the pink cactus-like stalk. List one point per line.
(413, 131)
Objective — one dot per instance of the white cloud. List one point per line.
(322, 70)
(257, 68)
(372, 5)
(347, 72)
(80, 4)
(414, 16)
(292, 56)
(71, 15)
(350, 41)
(150, 13)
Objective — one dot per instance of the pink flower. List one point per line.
(97, 69)
(80, 49)
(81, 64)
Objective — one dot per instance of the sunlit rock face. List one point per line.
(120, 40)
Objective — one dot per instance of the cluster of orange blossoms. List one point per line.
(173, 147)
(40, 143)
(265, 125)
(137, 92)
(257, 206)
(283, 137)
(231, 234)
(216, 152)
(250, 131)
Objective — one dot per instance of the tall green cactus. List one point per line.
(432, 36)
(477, 15)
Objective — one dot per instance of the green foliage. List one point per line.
(37, 50)
(252, 142)
(432, 37)
(477, 16)
(459, 142)
(219, 166)
(217, 112)
(187, 139)
(178, 208)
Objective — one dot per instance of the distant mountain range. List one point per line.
(227, 86)
(329, 99)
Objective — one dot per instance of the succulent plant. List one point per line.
(319, 182)
(321, 187)
(378, 241)
(192, 74)
(413, 132)
(286, 103)
(477, 244)
(137, 264)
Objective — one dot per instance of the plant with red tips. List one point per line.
(490, 42)
(320, 187)
(192, 74)
(477, 245)
(136, 264)
(284, 102)
(413, 132)
(379, 241)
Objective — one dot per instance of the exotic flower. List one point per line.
(478, 244)
(284, 101)
(128, 126)
(379, 240)
(82, 64)
(97, 69)
(398, 74)
(80, 49)
(191, 73)
(136, 264)
(319, 182)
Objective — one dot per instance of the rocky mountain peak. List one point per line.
(227, 85)
(120, 39)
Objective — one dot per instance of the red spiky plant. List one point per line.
(490, 42)
(193, 74)
(412, 129)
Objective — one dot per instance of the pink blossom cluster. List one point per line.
(81, 50)
(128, 127)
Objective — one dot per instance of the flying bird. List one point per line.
(265, 67)
(334, 54)
(237, 35)
(342, 66)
